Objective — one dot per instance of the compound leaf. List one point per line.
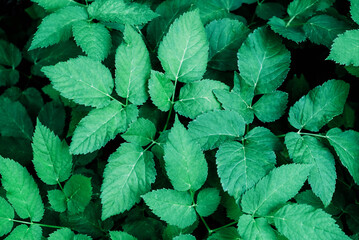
(78, 191)
(54, 5)
(271, 106)
(83, 80)
(57, 200)
(183, 52)
(207, 201)
(141, 132)
(6, 216)
(160, 89)
(172, 206)
(263, 138)
(128, 175)
(345, 49)
(21, 190)
(259, 228)
(280, 185)
(34, 232)
(10, 55)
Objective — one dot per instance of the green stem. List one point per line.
(206, 225)
(172, 103)
(34, 223)
(280, 136)
(290, 21)
(62, 190)
(225, 226)
(313, 135)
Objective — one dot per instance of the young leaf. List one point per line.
(54, 5)
(101, 126)
(197, 97)
(160, 89)
(302, 8)
(344, 49)
(185, 163)
(172, 206)
(6, 216)
(56, 27)
(301, 221)
(83, 80)
(57, 200)
(133, 67)
(93, 38)
(259, 228)
(290, 31)
(10, 55)
(354, 10)
(346, 145)
(241, 167)
(271, 106)
(263, 61)
(211, 129)
(225, 36)
(34, 232)
(52, 160)
(183, 52)
(207, 201)
(116, 235)
(141, 132)
(78, 191)
(128, 175)
(121, 11)
(309, 150)
(319, 106)
(21, 190)
(280, 185)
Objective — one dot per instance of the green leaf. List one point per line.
(54, 5)
(183, 52)
(346, 145)
(56, 27)
(197, 97)
(207, 201)
(101, 126)
(228, 233)
(268, 10)
(133, 67)
(93, 38)
(263, 61)
(302, 8)
(270, 107)
(10, 55)
(8, 76)
(308, 197)
(62, 234)
(34, 232)
(57, 200)
(6, 216)
(172, 206)
(309, 150)
(211, 129)
(301, 221)
(21, 190)
(53, 115)
(319, 106)
(259, 228)
(323, 29)
(141, 132)
(263, 138)
(354, 10)
(292, 31)
(241, 167)
(52, 160)
(345, 49)
(280, 185)
(116, 235)
(160, 89)
(121, 11)
(14, 120)
(78, 191)
(186, 165)
(184, 237)
(225, 36)
(128, 175)
(83, 80)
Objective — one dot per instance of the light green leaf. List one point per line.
(250, 228)
(183, 52)
(56, 27)
(82, 237)
(302, 8)
(21, 190)
(62, 234)
(292, 31)
(57, 200)
(34, 232)
(211, 129)
(241, 167)
(263, 61)
(197, 97)
(83, 80)
(52, 160)
(319, 106)
(323, 29)
(280, 185)
(93, 38)
(6, 216)
(346, 145)
(271, 106)
(301, 221)
(14, 120)
(225, 36)
(54, 5)
(160, 89)
(116, 235)
(207, 201)
(267, 10)
(121, 11)
(101, 126)
(309, 150)
(263, 138)
(128, 175)
(78, 191)
(10, 55)
(133, 67)
(184, 161)
(354, 10)
(172, 206)
(184, 237)
(345, 49)
(141, 132)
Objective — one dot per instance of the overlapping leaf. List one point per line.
(345, 49)
(259, 228)
(6, 216)
(160, 89)
(207, 201)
